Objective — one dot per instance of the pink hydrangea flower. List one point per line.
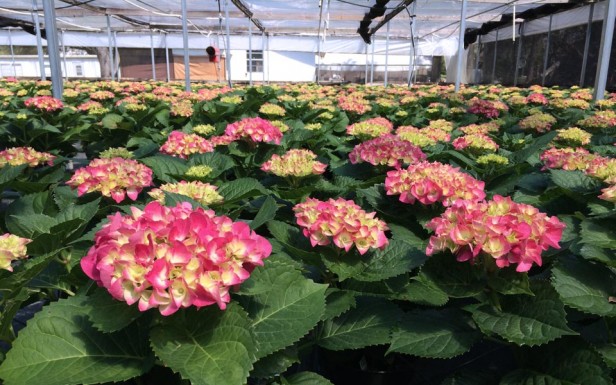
(486, 108)
(182, 145)
(173, 257)
(430, 182)
(608, 194)
(509, 232)
(12, 248)
(295, 162)
(389, 150)
(254, 129)
(44, 103)
(371, 128)
(24, 155)
(354, 103)
(537, 98)
(343, 221)
(113, 177)
(475, 142)
(567, 158)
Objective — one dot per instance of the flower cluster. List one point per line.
(342, 220)
(389, 150)
(354, 104)
(509, 232)
(492, 159)
(567, 158)
(24, 155)
(169, 258)
(92, 108)
(203, 193)
(295, 162)
(430, 182)
(441, 124)
(182, 145)
(117, 152)
(114, 177)
(44, 103)
(537, 98)
(599, 120)
(254, 129)
(198, 172)
(12, 248)
(573, 136)
(371, 128)
(484, 128)
(271, 109)
(475, 143)
(486, 108)
(183, 108)
(608, 194)
(602, 168)
(423, 137)
(538, 122)
(102, 95)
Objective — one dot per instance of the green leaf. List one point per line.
(369, 323)
(107, 314)
(306, 378)
(208, 346)
(9, 173)
(405, 235)
(508, 281)
(60, 347)
(569, 361)
(585, 286)
(173, 199)
(423, 291)
(457, 279)
(338, 302)
(538, 144)
(292, 240)
(85, 212)
(218, 162)
(397, 258)
(111, 121)
(575, 181)
(10, 307)
(434, 334)
(598, 234)
(526, 320)
(285, 306)
(266, 213)
(240, 189)
(275, 363)
(166, 167)
(30, 225)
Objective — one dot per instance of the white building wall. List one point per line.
(28, 66)
(282, 66)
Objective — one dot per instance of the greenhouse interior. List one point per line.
(308, 192)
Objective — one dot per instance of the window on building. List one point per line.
(257, 61)
(78, 70)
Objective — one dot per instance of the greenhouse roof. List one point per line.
(431, 18)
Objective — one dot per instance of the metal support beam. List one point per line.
(591, 12)
(51, 33)
(477, 56)
(372, 63)
(386, 56)
(607, 34)
(242, 7)
(185, 38)
(250, 51)
(152, 55)
(167, 59)
(64, 55)
(12, 53)
(366, 65)
(401, 7)
(318, 76)
(494, 61)
(39, 40)
(116, 60)
(263, 57)
(518, 56)
(228, 45)
(111, 59)
(546, 54)
(460, 45)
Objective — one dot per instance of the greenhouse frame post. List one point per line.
(591, 12)
(64, 55)
(477, 53)
(607, 35)
(518, 55)
(263, 57)
(546, 54)
(250, 51)
(116, 60)
(53, 49)
(109, 40)
(39, 39)
(460, 46)
(386, 56)
(152, 55)
(228, 45)
(167, 59)
(12, 53)
(494, 62)
(366, 63)
(185, 40)
(372, 63)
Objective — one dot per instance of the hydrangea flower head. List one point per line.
(509, 232)
(475, 143)
(390, 150)
(255, 130)
(371, 128)
(173, 257)
(295, 162)
(12, 248)
(430, 182)
(203, 193)
(182, 145)
(539, 122)
(341, 221)
(44, 103)
(113, 177)
(24, 155)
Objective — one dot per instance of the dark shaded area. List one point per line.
(137, 63)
